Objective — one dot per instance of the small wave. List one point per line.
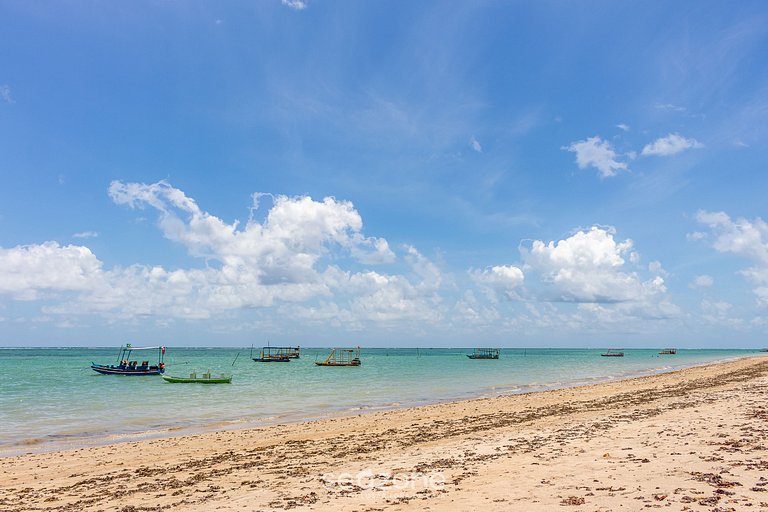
(29, 442)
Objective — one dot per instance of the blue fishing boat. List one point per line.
(125, 366)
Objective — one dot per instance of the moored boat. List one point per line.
(125, 366)
(342, 357)
(292, 352)
(668, 351)
(484, 353)
(613, 352)
(277, 354)
(206, 378)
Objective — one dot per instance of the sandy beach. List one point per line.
(695, 439)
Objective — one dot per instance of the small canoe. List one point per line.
(194, 379)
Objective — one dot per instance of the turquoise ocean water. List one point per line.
(50, 398)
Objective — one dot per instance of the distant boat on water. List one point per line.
(484, 353)
(125, 366)
(342, 357)
(277, 354)
(668, 351)
(613, 352)
(206, 378)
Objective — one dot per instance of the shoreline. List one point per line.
(64, 442)
(692, 436)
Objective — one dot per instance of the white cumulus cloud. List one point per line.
(670, 145)
(289, 260)
(589, 267)
(598, 153)
(740, 236)
(297, 5)
(720, 313)
(703, 281)
(500, 281)
(383, 298)
(475, 145)
(745, 238)
(29, 270)
(284, 248)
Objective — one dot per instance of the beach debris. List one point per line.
(573, 500)
(713, 479)
(712, 500)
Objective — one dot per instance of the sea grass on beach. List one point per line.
(694, 439)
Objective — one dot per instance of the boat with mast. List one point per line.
(342, 357)
(277, 354)
(125, 366)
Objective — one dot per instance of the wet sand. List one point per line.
(695, 439)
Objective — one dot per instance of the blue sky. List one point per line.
(384, 173)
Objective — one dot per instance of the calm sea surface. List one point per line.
(50, 398)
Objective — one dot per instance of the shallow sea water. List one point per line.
(50, 398)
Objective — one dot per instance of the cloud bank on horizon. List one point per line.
(496, 174)
(309, 261)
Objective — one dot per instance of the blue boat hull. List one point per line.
(117, 370)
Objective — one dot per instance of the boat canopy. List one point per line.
(129, 347)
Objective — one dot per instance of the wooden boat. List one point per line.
(342, 357)
(484, 353)
(205, 379)
(668, 351)
(277, 354)
(125, 366)
(613, 352)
